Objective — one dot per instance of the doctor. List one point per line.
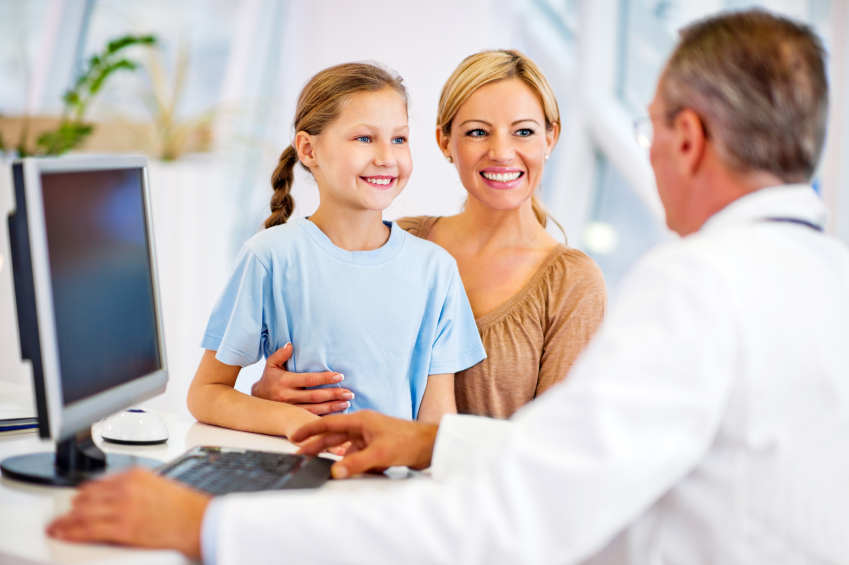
(708, 422)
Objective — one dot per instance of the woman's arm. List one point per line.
(213, 400)
(577, 307)
(438, 399)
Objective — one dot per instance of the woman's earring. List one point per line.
(546, 157)
(450, 160)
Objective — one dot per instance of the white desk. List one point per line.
(25, 510)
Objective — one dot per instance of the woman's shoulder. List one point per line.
(568, 261)
(427, 253)
(418, 226)
(572, 274)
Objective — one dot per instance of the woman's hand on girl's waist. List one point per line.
(280, 385)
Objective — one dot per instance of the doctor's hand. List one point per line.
(280, 385)
(377, 442)
(135, 508)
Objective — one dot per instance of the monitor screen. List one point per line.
(102, 279)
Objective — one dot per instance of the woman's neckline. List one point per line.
(502, 310)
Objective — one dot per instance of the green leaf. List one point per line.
(71, 98)
(98, 81)
(69, 135)
(123, 42)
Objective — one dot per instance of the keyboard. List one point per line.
(222, 470)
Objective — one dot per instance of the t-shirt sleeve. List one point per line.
(458, 344)
(237, 328)
(577, 299)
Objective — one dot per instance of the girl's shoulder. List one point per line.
(276, 240)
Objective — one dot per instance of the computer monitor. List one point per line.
(87, 303)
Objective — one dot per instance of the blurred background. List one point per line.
(210, 100)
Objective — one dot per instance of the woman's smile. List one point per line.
(502, 177)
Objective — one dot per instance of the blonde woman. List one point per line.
(536, 302)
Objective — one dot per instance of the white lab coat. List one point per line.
(707, 422)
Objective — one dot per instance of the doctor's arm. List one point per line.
(636, 416)
(213, 400)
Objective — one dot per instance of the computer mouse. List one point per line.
(134, 427)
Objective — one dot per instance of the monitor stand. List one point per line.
(76, 459)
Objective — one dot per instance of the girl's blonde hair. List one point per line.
(320, 103)
(493, 66)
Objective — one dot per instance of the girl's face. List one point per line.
(499, 143)
(362, 160)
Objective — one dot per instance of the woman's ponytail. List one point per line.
(542, 216)
(540, 212)
(282, 203)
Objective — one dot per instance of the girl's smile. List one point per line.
(381, 182)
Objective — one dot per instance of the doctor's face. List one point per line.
(670, 183)
(499, 142)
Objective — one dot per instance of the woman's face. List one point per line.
(499, 142)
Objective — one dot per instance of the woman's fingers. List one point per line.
(325, 407)
(297, 395)
(302, 380)
(279, 357)
(280, 385)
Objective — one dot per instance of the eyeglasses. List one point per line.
(644, 132)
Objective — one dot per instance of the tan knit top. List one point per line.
(533, 339)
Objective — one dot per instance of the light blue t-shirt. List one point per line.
(386, 318)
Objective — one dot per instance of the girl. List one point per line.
(355, 295)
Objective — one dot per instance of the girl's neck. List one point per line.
(485, 229)
(351, 230)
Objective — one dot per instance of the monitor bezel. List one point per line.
(64, 421)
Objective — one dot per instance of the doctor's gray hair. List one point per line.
(758, 83)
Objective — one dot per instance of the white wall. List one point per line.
(423, 42)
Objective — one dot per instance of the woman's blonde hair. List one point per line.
(493, 66)
(320, 103)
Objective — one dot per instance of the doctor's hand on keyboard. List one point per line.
(135, 508)
(377, 442)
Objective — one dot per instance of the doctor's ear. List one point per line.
(690, 140)
(305, 145)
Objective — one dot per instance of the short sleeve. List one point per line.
(575, 305)
(458, 344)
(237, 330)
